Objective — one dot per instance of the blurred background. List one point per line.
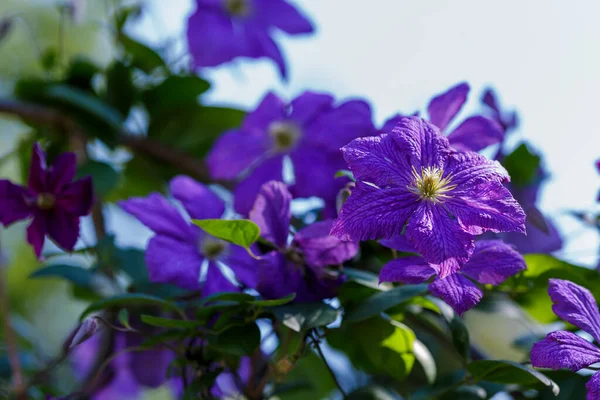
(541, 57)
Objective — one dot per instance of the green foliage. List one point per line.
(139, 55)
(508, 372)
(242, 232)
(130, 300)
(237, 340)
(76, 275)
(522, 165)
(382, 301)
(104, 176)
(373, 392)
(305, 316)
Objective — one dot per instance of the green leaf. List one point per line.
(104, 176)
(509, 372)
(76, 275)
(237, 340)
(140, 177)
(365, 278)
(174, 92)
(470, 392)
(373, 392)
(242, 232)
(123, 317)
(142, 56)
(273, 303)
(169, 322)
(81, 73)
(425, 359)
(236, 297)
(460, 337)
(309, 379)
(380, 302)
(376, 346)
(120, 91)
(344, 173)
(522, 165)
(127, 300)
(305, 316)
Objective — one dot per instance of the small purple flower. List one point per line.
(179, 249)
(411, 180)
(221, 30)
(474, 133)
(299, 267)
(492, 263)
(507, 120)
(53, 201)
(310, 131)
(561, 349)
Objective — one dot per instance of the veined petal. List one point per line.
(536, 241)
(211, 38)
(421, 143)
(246, 191)
(284, 16)
(235, 151)
(476, 133)
(14, 203)
(63, 228)
(272, 212)
(277, 278)
(379, 160)
(374, 213)
(576, 305)
(391, 123)
(77, 197)
(487, 206)
(38, 174)
(457, 291)
(199, 201)
(170, 260)
(271, 108)
(437, 236)
(400, 243)
(309, 105)
(320, 249)
(410, 269)
(216, 282)
(468, 169)
(493, 261)
(593, 387)
(257, 44)
(444, 107)
(159, 215)
(562, 349)
(244, 266)
(61, 172)
(36, 233)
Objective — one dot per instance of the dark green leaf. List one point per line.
(236, 297)
(470, 392)
(460, 337)
(76, 275)
(238, 340)
(120, 91)
(425, 358)
(380, 302)
(142, 56)
(140, 177)
(127, 300)
(123, 317)
(344, 173)
(80, 73)
(309, 379)
(48, 59)
(169, 322)
(522, 165)
(173, 93)
(273, 303)
(306, 316)
(242, 232)
(365, 278)
(374, 392)
(509, 372)
(104, 176)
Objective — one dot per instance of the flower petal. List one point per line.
(211, 37)
(277, 279)
(400, 243)
(77, 197)
(593, 387)
(284, 16)
(412, 269)
(489, 99)
(421, 143)
(437, 236)
(320, 249)
(234, 152)
(246, 191)
(216, 282)
(444, 107)
(576, 305)
(272, 212)
(562, 349)
(170, 260)
(257, 44)
(36, 233)
(271, 108)
(63, 228)
(493, 261)
(379, 160)
(476, 133)
(244, 266)
(159, 215)
(457, 291)
(13, 202)
(61, 172)
(199, 201)
(309, 105)
(536, 241)
(468, 169)
(38, 175)
(374, 213)
(488, 206)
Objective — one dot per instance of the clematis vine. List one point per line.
(52, 200)
(179, 249)
(492, 262)
(221, 30)
(562, 349)
(474, 133)
(301, 266)
(410, 180)
(310, 130)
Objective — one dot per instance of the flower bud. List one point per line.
(86, 330)
(343, 195)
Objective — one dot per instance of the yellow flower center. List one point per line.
(431, 184)
(45, 201)
(238, 8)
(285, 135)
(212, 248)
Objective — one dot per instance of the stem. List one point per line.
(9, 336)
(318, 348)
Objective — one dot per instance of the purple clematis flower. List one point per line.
(411, 180)
(221, 30)
(179, 249)
(561, 349)
(492, 262)
(508, 120)
(299, 267)
(474, 133)
(53, 201)
(310, 131)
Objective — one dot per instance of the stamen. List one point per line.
(431, 184)
(238, 8)
(212, 248)
(45, 201)
(285, 135)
